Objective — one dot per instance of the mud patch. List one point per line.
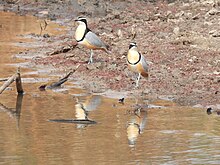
(179, 39)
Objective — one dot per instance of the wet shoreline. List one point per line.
(186, 84)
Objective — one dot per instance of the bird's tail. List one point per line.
(107, 49)
(145, 74)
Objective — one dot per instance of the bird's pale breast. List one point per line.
(133, 56)
(80, 32)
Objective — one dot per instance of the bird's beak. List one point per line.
(76, 20)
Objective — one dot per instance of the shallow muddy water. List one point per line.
(40, 127)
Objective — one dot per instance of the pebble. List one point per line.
(46, 35)
(180, 14)
(90, 67)
(214, 33)
(176, 30)
(118, 78)
(116, 14)
(213, 11)
(119, 33)
(44, 12)
(195, 17)
(193, 59)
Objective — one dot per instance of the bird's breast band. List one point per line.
(87, 30)
(135, 62)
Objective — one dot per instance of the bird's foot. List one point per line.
(90, 61)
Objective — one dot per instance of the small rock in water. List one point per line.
(121, 100)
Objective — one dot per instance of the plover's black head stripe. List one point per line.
(132, 44)
(82, 19)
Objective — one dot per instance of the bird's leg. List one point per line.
(90, 58)
(138, 78)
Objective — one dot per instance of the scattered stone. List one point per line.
(176, 31)
(194, 59)
(198, 106)
(116, 14)
(118, 78)
(121, 100)
(214, 33)
(46, 35)
(180, 14)
(98, 65)
(213, 11)
(195, 17)
(44, 12)
(216, 80)
(171, 16)
(111, 66)
(216, 72)
(91, 67)
(119, 33)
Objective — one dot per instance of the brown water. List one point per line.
(167, 135)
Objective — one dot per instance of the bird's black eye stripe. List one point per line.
(132, 44)
(82, 19)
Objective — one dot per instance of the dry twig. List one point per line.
(16, 77)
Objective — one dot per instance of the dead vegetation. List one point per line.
(8, 81)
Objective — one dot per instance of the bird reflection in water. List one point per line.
(82, 109)
(135, 126)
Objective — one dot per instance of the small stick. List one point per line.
(3, 79)
(16, 77)
(19, 83)
(45, 24)
(41, 29)
(8, 82)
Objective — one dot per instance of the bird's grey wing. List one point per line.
(143, 122)
(93, 39)
(93, 103)
(144, 63)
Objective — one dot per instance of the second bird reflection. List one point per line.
(82, 109)
(135, 126)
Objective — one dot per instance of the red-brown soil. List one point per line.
(179, 39)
